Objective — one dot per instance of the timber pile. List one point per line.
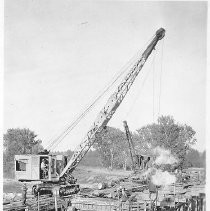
(113, 197)
(135, 191)
(168, 203)
(44, 203)
(107, 206)
(113, 189)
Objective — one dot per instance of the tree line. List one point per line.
(111, 148)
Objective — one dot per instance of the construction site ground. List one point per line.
(88, 178)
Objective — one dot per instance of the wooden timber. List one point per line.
(194, 203)
(35, 204)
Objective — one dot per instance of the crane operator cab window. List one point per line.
(44, 168)
(21, 165)
(61, 162)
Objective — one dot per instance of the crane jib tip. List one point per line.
(160, 33)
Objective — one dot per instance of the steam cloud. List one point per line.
(164, 156)
(159, 177)
(163, 178)
(148, 172)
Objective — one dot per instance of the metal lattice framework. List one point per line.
(111, 106)
(130, 144)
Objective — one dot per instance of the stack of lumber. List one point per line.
(44, 203)
(113, 191)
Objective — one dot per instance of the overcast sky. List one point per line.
(60, 54)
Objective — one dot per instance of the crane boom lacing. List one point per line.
(109, 109)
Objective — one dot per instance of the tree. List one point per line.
(112, 147)
(169, 135)
(203, 158)
(92, 158)
(195, 158)
(20, 141)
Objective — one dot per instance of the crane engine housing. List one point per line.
(29, 167)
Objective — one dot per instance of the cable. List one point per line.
(88, 109)
(161, 70)
(99, 95)
(141, 88)
(72, 125)
(153, 90)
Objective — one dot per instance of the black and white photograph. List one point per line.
(104, 105)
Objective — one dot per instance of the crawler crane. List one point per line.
(139, 162)
(64, 182)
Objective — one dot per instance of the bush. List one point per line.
(9, 170)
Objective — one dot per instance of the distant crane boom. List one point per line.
(130, 144)
(111, 106)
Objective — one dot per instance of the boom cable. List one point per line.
(142, 85)
(161, 71)
(153, 89)
(69, 128)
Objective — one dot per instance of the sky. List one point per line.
(60, 54)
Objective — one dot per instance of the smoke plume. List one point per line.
(159, 177)
(164, 156)
(163, 178)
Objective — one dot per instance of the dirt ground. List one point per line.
(11, 186)
(86, 177)
(91, 175)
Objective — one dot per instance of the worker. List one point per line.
(119, 192)
(152, 188)
(146, 162)
(124, 197)
(44, 168)
(24, 193)
(141, 162)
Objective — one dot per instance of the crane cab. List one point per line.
(39, 167)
